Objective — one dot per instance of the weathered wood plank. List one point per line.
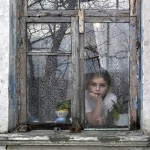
(67, 13)
(81, 21)
(107, 13)
(52, 13)
(133, 8)
(107, 19)
(138, 46)
(87, 19)
(48, 19)
(75, 70)
(134, 62)
(48, 54)
(22, 64)
(82, 79)
(133, 72)
(25, 7)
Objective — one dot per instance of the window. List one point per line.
(65, 41)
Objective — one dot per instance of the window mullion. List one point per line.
(134, 64)
(22, 66)
(48, 19)
(75, 71)
(133, 73)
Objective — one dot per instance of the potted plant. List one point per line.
(63, 110)
(65, 105)
(120, 113)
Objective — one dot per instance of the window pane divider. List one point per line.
(133, 73)
(107, 19)
(105, 13)
(48, 54)
(52, 13)
(134, 104)
(22, 68)
(75, 103)
(48, 19)
(71, 13)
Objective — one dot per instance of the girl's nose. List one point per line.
(97, 87)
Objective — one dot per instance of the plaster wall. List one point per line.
(2, 147)
(146, 66)
(4, 64)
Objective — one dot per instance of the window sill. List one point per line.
(85, 138)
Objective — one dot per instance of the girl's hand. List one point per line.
(95, 96)
(101, 121)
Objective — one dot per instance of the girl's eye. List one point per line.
(93, 84)
(100, 85)
(103, 85)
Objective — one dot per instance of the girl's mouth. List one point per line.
(98, 94)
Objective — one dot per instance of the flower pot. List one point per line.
(122, 121)
(62, 113)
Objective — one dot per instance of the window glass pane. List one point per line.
(72, 4)
(123, 4)
(104, 4)
(49, 37)
(49, 85)
(107, 74)
(51, 4)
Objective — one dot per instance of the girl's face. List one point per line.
(98, 86)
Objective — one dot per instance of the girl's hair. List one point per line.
(102, 73)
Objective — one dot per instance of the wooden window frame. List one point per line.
(77, 18)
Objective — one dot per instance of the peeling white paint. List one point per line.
(4, 64)
(20, 137)
(146, 65)
(2, 147)
(81, 138)
(33, 138)
(134, 138)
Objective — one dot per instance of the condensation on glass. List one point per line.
(105, 4)
(49, 81)
(50, 37)
(107, 47)
(74, 4)
(51, 4)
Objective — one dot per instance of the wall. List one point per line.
(13, 104)
(4, 64)
(146, 65)
(2, 147)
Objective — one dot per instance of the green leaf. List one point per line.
(66, 104)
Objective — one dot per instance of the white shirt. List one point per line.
(108, 102)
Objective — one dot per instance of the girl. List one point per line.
(99, 99)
